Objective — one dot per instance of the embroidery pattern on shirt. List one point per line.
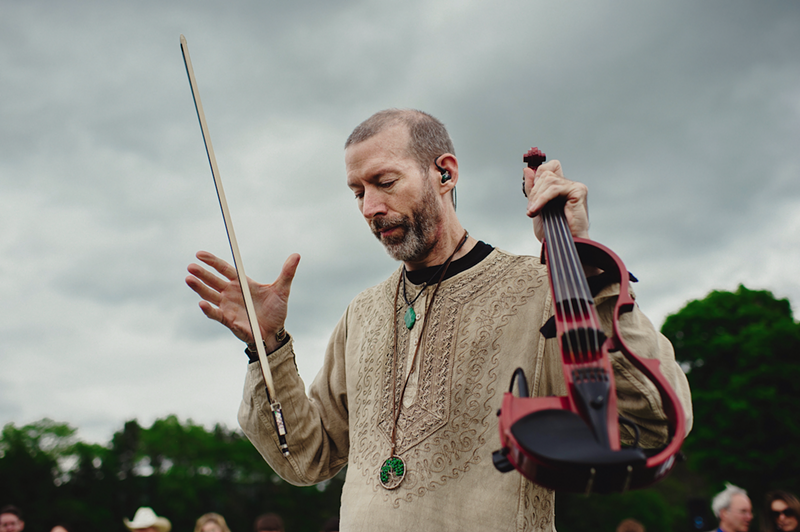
(453, 413)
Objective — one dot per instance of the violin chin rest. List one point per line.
(563, 437)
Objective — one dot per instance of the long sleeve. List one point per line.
(637, 397)
(316, 424)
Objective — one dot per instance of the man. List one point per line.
(733, 509)
(416, 367)
(11, 519)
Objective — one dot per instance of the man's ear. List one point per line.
(447, 166)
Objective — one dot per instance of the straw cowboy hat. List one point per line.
(145, 518)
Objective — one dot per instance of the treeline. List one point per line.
(741, 351)
(179, 469)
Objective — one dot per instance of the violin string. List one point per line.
(570, 286)
(570, 289)
(584, 294)
(560, 287)
(571, 275)
(580, 282)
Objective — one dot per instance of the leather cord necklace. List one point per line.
(393, 469)
(410, 317)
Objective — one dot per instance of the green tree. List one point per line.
(34, 460)
(652, 507)
(183, 470)
(180, 469)
(742, 352)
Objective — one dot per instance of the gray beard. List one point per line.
(418, 236)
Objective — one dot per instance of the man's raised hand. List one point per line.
(222, 299)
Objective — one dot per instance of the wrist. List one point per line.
(271, 344)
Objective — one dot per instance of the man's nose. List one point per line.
(373, 204)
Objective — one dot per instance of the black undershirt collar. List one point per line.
(475, 255)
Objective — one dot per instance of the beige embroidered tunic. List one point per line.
(484, 323)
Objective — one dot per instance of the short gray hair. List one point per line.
(428, 136)
(722, 501)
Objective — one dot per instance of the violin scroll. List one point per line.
(534, 158)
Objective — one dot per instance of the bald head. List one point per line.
(427, 139)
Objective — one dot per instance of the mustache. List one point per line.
(379, 224)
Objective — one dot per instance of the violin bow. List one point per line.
(275, 406)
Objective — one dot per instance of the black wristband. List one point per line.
(252, 353)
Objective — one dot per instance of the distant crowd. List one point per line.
(734, 513)
(731, 507)
(146, 520)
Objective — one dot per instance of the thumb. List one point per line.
(284, 281)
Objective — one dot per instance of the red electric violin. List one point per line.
(572, 443)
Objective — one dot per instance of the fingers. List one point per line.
(548, 183)
(222, 301)
(203, 287)
(224, 268)
(208, 279)
(211, 311)
(284, 281)
(210, 287)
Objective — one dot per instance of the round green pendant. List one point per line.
(392, 472)
(410, 318)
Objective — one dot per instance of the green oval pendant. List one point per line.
(392, 472)
(410, 318)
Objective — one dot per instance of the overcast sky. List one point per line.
(682, 117)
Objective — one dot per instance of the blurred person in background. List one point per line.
(781, 512)
(146, 520)
(733, 509)
(268, 523)
(11, 519)
(630, 525)
(211, 522)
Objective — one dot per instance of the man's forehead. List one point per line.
(740, 500)
(393, 140)
(379, 153)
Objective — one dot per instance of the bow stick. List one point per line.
(275, 406)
